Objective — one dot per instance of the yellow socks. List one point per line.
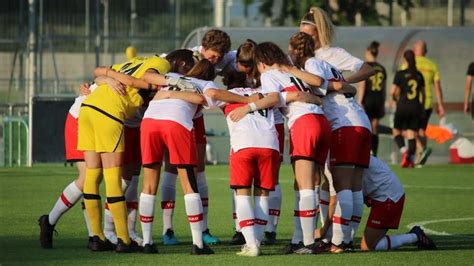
(92, 200)
(116, 201)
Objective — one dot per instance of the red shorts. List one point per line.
(350, 146)
(199, 130)
(280, 128)
(385, 215)
(259, 165)
(70, 140)
(310, 136)
(132, 153)
(156, 136)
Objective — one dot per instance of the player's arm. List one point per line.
(365, 72)
(122, 78)
(270, 100)
(311, 79)
(439, 97)
(229, 97)
(394, 95)
(114, 84)
(467, 93)
(361, 91)
(187, 96)
(301, 96)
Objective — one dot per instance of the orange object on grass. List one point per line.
(439, 134)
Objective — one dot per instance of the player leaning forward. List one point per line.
(101, 120)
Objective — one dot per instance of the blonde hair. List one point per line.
(323, 24)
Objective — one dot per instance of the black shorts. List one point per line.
(425, 118)
(374, 109)
(405, 121)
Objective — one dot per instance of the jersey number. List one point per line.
(376, 81)
(413, 86)
(131, 70)
(299, 84)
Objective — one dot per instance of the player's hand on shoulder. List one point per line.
(239, 113)
(116, 86)
(255, 97)
(84, 89)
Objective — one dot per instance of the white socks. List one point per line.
(168, 198)
(246, 218)
(195, 216)
(132, 204)
(357, 210)
(394, 242)
(297, 231)
(204, 193)
(307, 214)
(274, 205)
(342, 217)
(147, 210)
(261, 216)
(71, 194)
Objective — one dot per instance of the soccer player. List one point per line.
(254, 159)
(350, 142)
(385, 197)
(431, 77)
(214, 47)
(407, 90)
(105, 110)
(467, 90)
(309, 139)
(372, 92)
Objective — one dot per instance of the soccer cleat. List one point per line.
(209, 239)
(205, 250)
(306, 250)
(348, 247)
(337, 249)
(89, 242)
(136, 238)
(323, 247)
(169, 238)
(424, 156)
(237, 239)
(101, 245)
(270, 238)
(405, 160)
(290, 248)
(46, 232)
(124, 248)
(249, 251)
(110, 235)
(424, 242)
(150, 249)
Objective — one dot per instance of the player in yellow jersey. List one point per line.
(430, 73)
(101, 126)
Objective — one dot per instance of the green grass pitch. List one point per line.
(433, 193)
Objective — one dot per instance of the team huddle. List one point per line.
(147, 112)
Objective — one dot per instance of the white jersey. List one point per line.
(227, 63)
(255, 130)
(341, 111)
(76, 106)
(380, 183)
(276, 81)
(177, 110)
(339, 58)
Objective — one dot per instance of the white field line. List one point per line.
(437, 233)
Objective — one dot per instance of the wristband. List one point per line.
(253, 107)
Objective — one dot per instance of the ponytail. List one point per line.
(373, 48)
(410, 58)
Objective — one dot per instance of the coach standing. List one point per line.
(430, 73)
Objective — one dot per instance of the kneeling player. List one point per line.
(384, 195)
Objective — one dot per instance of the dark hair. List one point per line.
(181, 61)
(410, 58)
(302, 47)
(246, 56)
(373, 48)
(202, 70)
(269, 54)
(216, 40)
(235, 79)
